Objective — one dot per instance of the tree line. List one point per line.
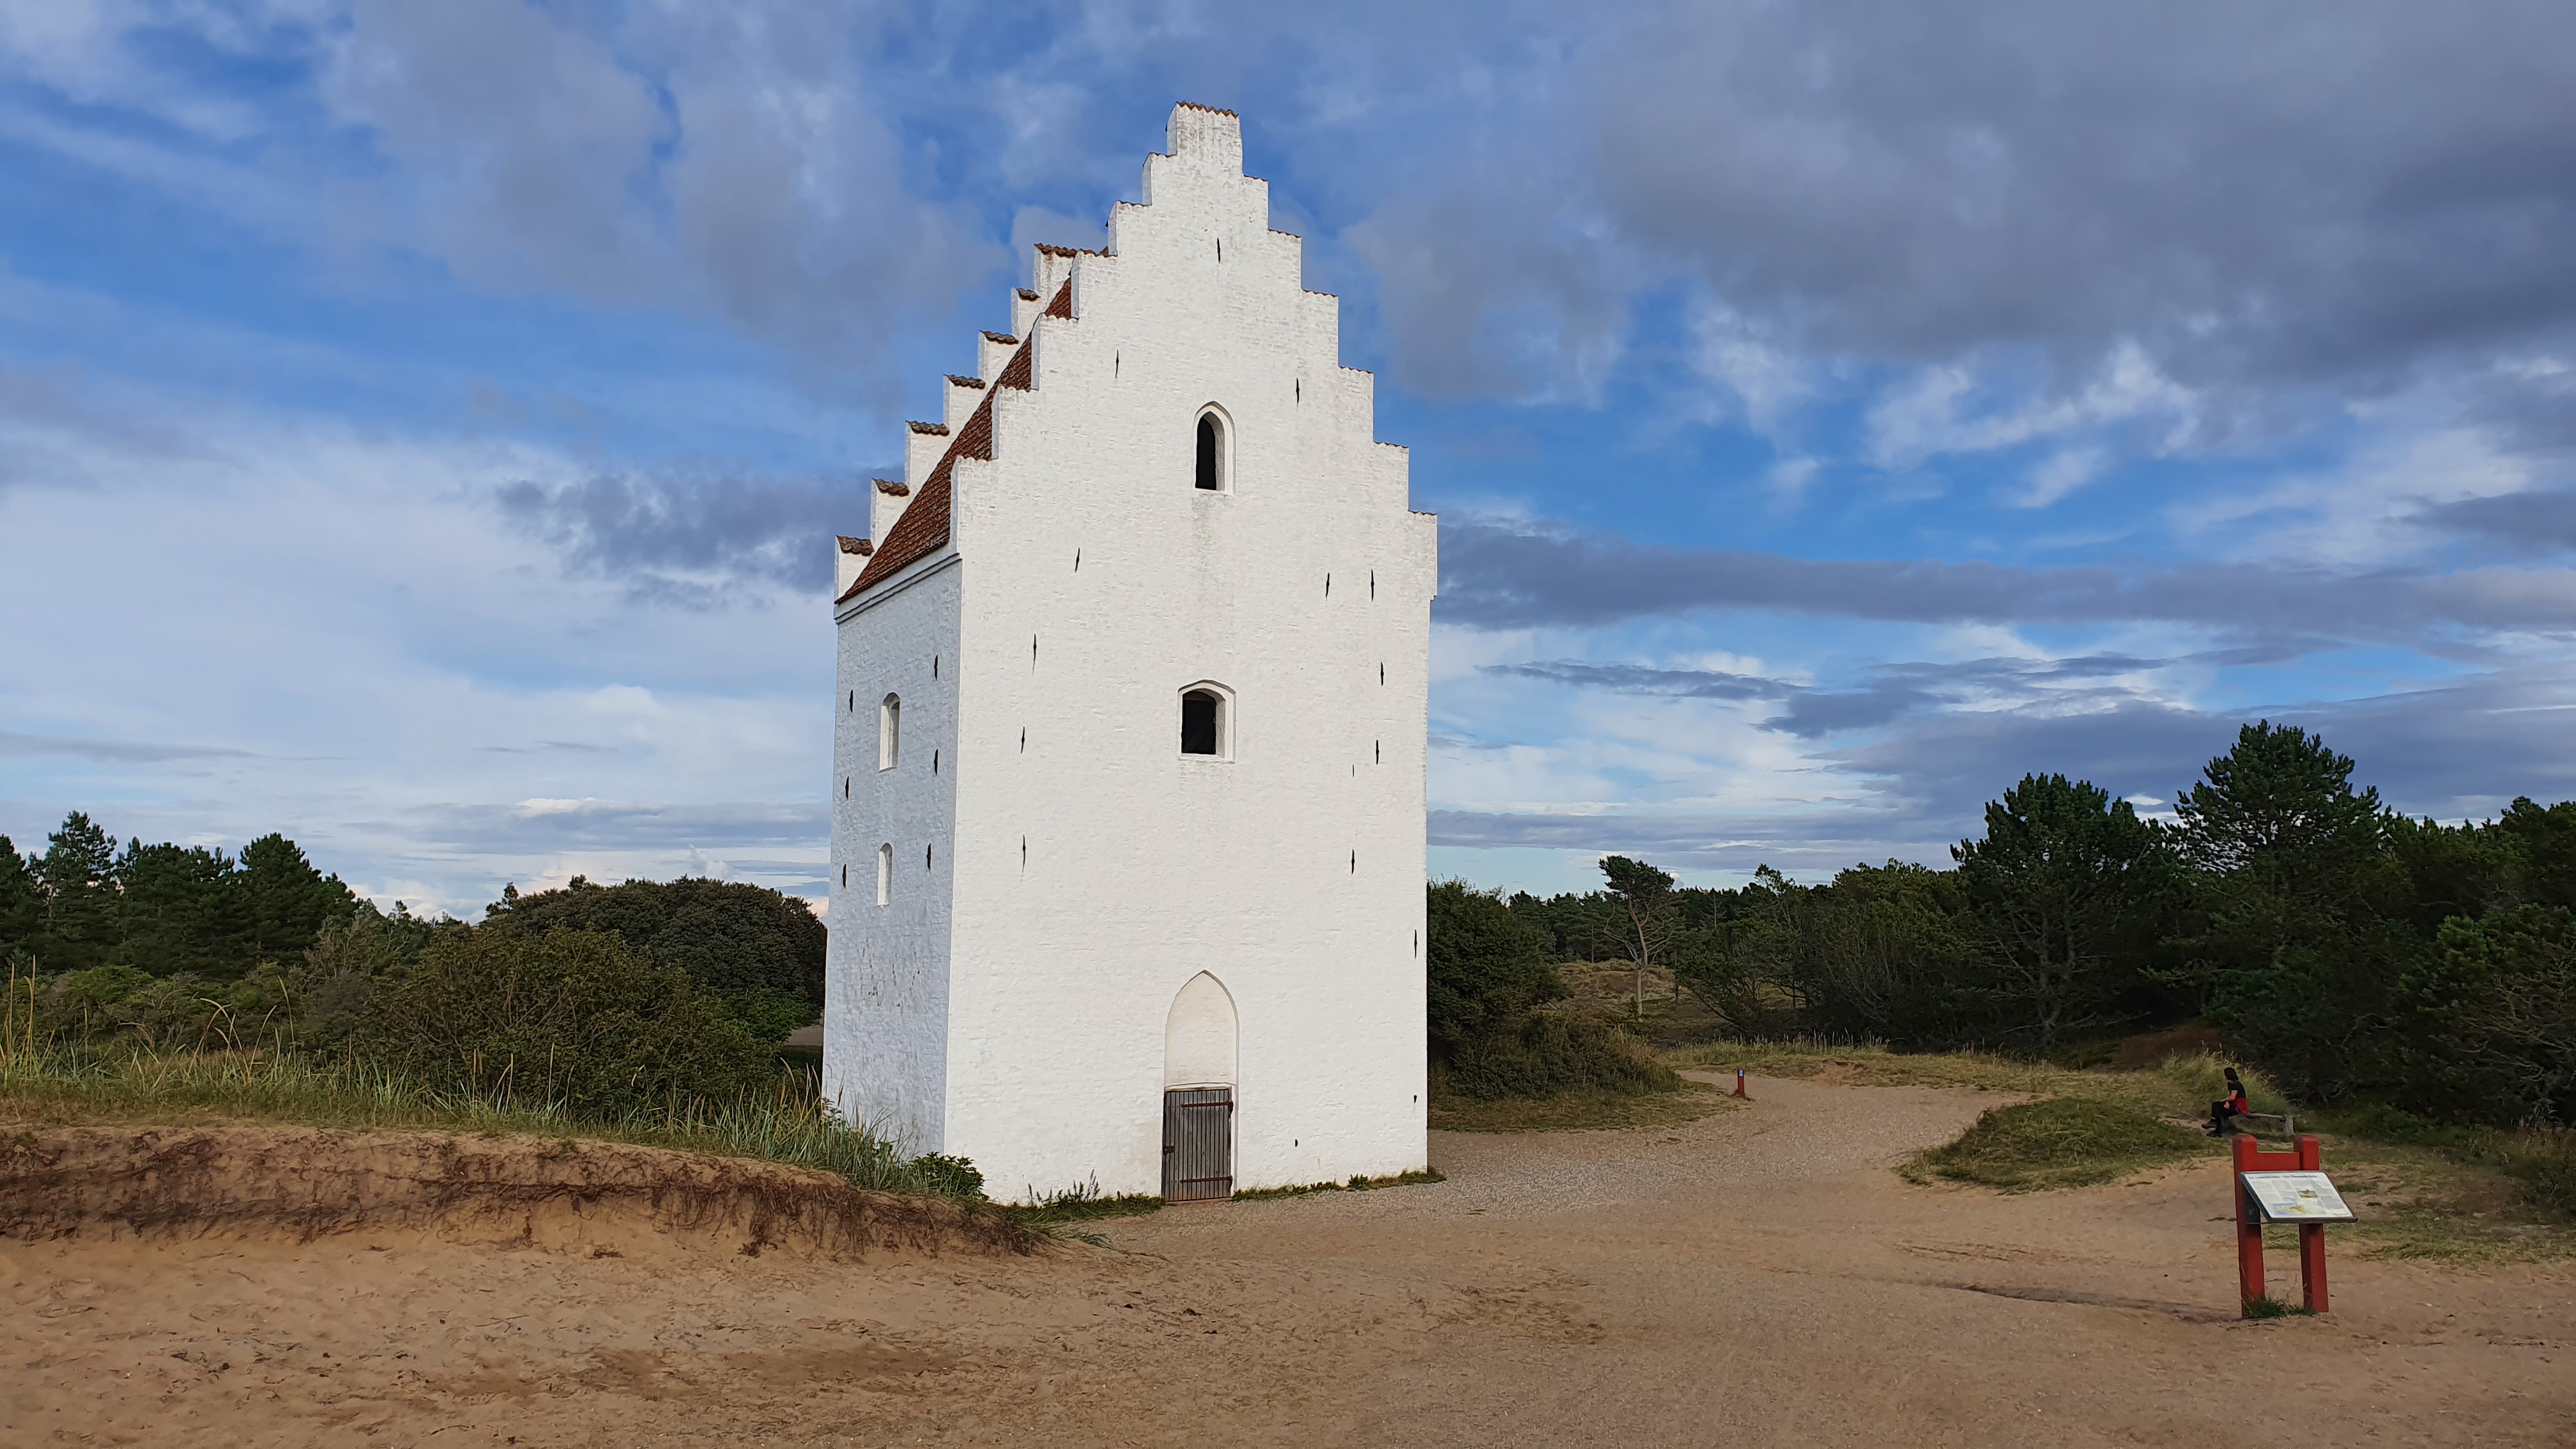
(2348, 950)
(162, 909)
(600, 997)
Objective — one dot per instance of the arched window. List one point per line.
(1207, 721)
(885, 873)
(889, 732)
(1212, 452)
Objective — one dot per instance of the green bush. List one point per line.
(729, 936)
(768, 1013)
(567, 1016)
(1483, 968)
(951, 1177)
(1551, 1054)
(98, 1004)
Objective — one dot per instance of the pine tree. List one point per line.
(282, 901)
(1646, 896)
(21, 910)
(2060, 887)
(76, 882)
(174, 911)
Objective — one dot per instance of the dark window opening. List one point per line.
(1198, 723)
(1207, 453)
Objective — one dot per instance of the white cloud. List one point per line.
(2060, 474)
(1940, 410)
(2357, 511)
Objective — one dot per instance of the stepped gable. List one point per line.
(923, 528)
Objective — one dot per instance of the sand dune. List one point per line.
(1754, 1277)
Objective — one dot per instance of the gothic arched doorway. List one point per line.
(1198, 1093)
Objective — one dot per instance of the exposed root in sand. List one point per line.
(602, 1198)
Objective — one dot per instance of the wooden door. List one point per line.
(1198, 1144)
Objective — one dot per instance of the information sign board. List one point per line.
(2295, 1197)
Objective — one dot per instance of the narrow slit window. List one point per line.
(885, 874)
(889, 732)
(1201, 720)
(1211, 453)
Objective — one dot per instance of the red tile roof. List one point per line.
(1021, 373)
(1211, 110)
(923, 528)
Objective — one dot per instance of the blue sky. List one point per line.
(421, 425)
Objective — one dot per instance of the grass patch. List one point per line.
(1580, 1111)
(1358, 1183)
(2270, 1307)
(1055, 1213)
(2059, 1142)
(788, 1126)
(2471, 1195)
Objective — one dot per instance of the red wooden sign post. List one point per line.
(2250, 1157)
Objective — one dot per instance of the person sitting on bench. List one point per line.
(2224, 1112)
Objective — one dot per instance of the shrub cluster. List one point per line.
(1488, 974)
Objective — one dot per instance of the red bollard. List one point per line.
(2250, 1157)
(1739, 1085)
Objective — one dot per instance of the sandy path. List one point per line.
(1754, 1277)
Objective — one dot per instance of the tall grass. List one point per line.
(251, 1070)
(788, 1125)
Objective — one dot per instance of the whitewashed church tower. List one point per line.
(1127, 822)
